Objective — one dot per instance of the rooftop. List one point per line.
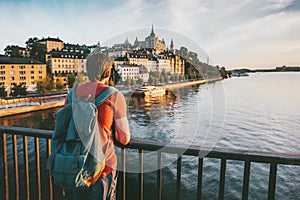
(18, 60)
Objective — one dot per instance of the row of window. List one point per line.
(66, 66)
(131, 69)
(130, 73)
(64, 71)
(64, 60)
(21, 72)
(71, 56)
(3, 78)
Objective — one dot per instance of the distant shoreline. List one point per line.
(277, 69)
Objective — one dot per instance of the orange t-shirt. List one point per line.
(113, 108)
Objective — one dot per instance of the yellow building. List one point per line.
(52, 44)
(20, 71)
(63, 63)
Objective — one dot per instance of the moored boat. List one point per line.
(149, 90)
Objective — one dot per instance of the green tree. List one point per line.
(151, 80)
(19, 90)
(3, 93)
(71, 80)
(59, 85)
(46, 85)
(29, 43)
(12, 51)
(128, 82)
(140, 81)
(38, 51)
(133, 81)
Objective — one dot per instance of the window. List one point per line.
(2, 67)
(12, 67)
(12, 78)
(22, 78)
(40, 72)
(2, 72)
(31, 72)
(32, 66)
(40, 77)
(32, 77)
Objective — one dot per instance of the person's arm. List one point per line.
(120, 120)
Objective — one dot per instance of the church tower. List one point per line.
(172, 45)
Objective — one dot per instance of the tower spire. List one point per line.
(172, 44)
(152, 31)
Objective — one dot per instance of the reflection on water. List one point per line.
(146, 109)
(43, 119)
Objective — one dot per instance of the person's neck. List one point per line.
(103, 81)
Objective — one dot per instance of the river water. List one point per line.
(258, 112)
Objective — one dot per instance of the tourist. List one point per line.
(111, 115)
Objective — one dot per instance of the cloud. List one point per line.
(233, 32)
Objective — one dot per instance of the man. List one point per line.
(112, 113)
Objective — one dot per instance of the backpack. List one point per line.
(77, 160)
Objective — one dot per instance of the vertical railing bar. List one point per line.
(200, 173)
(16, 167)
(49, 173)
(123, 161)
(159, 175)
(246, 180)
(26, 165)
(5, 165)
(178, 181)
(38, 171)
(272, 181)
(141, 174)
(222, 179)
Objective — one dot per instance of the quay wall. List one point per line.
(25, 109)
(185, 84)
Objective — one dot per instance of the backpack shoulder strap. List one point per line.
(70, 95)
(105, 94)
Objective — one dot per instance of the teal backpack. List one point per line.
(77, 160)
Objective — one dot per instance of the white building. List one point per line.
(128, 71)
(164, 64)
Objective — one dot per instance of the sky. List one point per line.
(251, 34)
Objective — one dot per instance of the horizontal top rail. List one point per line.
(193, 150)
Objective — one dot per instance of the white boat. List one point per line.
(149, 90)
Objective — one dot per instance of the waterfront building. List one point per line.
(120, 61)
(163, 63)
(20, 71)
(128, 71)
(63, 63)
(177, 63)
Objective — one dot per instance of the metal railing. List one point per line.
(20, 180)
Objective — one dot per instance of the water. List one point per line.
(259, 112)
